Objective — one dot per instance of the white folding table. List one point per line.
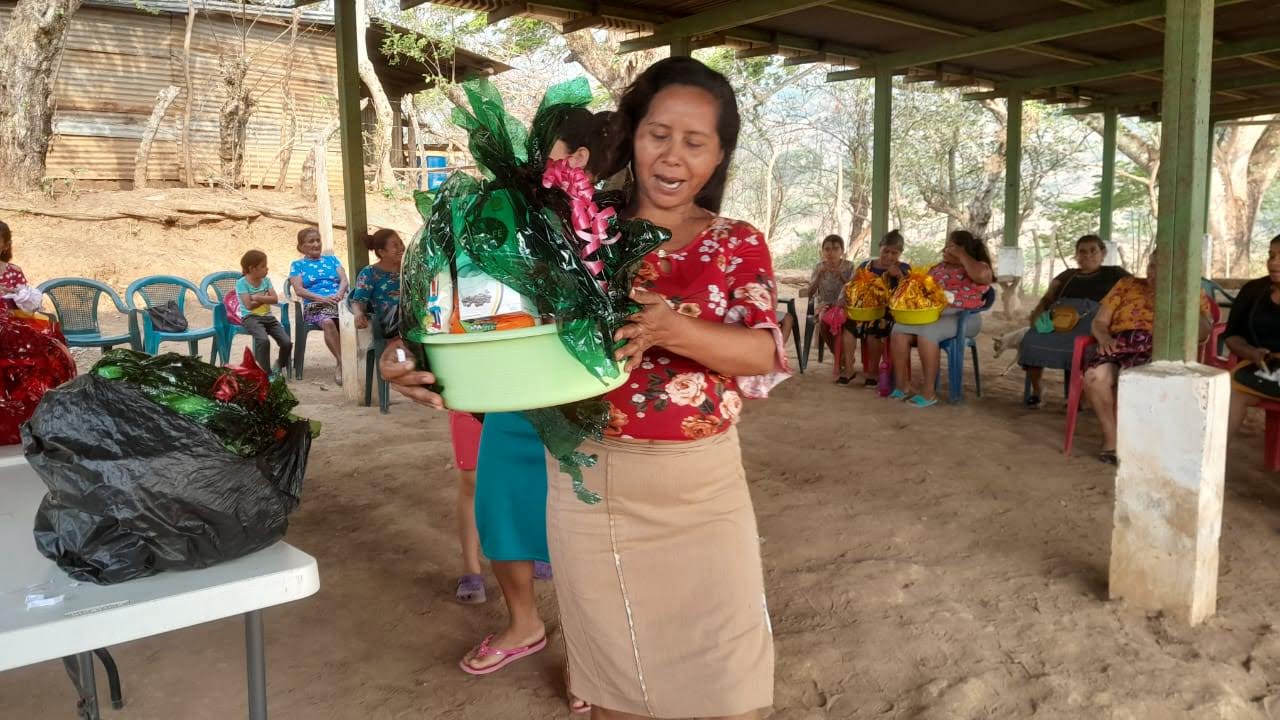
(89, 617)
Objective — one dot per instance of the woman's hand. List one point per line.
(362, 321)
(894, 271)
(653, 325)
(1259, 357)
(405, 377)
(1106, 343)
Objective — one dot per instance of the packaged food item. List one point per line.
(440, 301)
(485, 304)
(918, 291)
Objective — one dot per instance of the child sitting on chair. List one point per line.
(256, 298)
(826, 289)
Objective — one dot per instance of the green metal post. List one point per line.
(1110, 126)
(346, 26)
(881, 155)
(1188, 53)
(1013, 170)
(681, 46)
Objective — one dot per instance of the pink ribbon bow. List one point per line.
(590, 223)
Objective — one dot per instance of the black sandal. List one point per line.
(844, 380)
(1108, 457)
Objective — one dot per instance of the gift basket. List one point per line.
(515, 284)
(164, 463)
(34, 359)
(919, 300)
(866, 296)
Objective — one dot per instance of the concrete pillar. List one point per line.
(1168, 514)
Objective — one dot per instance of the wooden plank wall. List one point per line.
(116, 62)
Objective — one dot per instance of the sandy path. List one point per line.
(935, 564)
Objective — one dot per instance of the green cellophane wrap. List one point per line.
(247, 411)
(521, 234)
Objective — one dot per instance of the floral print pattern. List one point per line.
(1132, 302)
(724, 275)
(965, 293)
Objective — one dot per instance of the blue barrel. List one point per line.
(436, 179)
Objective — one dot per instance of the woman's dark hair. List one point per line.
(833, 240)
(681, 70)
(1091, 238)
(378, 241)
(582, 128)
(6, 240)
(975, 246)
(893, 238)
(251, 260)
(1274, 240)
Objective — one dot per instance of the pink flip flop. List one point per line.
(508, 656)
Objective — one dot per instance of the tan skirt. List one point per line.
(660, 585)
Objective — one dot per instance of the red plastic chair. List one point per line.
(1076, 389)
(1271, 432)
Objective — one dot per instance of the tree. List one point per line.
(29, 52)
(1246, 161)
(384, 175)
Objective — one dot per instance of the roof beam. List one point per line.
(909, 18)
(735, 14)
(1249, 108)
(1025, 35)
(509, 10)
(755, 52)
(807, 59)
(585, 22)
(1226, 51)
(1235, 83)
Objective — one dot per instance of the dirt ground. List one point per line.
(935, 564)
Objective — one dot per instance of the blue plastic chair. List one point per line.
(75, 301)
(222, 283)
(155, 291)
(955, 347)
(371, 370)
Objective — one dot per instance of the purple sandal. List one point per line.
(470, 590)
(541, 570)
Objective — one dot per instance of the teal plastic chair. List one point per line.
(300, 328)
(75, 301)
(954, 349)
(216, 286)
(155, 291)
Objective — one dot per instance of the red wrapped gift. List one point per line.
(33, 359)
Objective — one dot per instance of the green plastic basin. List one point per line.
(510, 370)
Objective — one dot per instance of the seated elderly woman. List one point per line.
(1122, 328)
(1074, 295)
(1253, 336)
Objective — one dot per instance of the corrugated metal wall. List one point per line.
(116, 63)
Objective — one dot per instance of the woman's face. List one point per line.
(1273, 262)
(6, 249)
(577, 158)
(677, 148)
(394, 250)
(1089, 257)
(890, 255)
(310, 245)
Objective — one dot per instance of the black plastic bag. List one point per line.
(136, 488)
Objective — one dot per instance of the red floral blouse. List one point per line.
(724, 275)
(11, 278)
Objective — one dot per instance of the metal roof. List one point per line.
(1089, 52)
(400, 79)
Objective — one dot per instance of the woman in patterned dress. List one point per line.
(321, 283)
(660, 584)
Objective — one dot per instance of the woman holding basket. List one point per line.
(660, 585)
